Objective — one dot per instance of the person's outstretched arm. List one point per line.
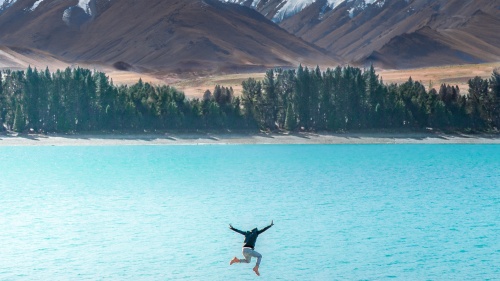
(236, 230)
(266, 228)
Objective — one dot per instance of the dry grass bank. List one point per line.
(435, 76)
(430, 76)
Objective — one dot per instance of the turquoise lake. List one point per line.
(341, 212)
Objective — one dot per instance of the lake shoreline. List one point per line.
(238, 138)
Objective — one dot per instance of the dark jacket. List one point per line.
(250, 236)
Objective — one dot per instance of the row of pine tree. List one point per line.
(339, 99)
(347, 98)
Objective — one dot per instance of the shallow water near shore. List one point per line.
(341, 212)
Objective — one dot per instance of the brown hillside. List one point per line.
(470, 42)
(202, 36)
(403, 34)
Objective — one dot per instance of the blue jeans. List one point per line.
(248, 253)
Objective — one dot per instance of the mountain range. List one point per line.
(213, 36)
(403, 33)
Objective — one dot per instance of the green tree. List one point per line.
(207, 95)
(218, 94)
(396, 114)
(494, 98)
(251, 100)
(285, 83)
(325, 106)
(269, 104)
(31, 98)
(19, 120)
(315, 86)
(478, 94)
(302, 97)
(291, 118)
(3, 104)
(374, 104)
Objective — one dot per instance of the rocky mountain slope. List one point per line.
(392, 33)
(201, 36)
(403, 33)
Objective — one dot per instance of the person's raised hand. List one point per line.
(272, 222)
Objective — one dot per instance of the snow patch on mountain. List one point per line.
(290, 7)
(253, 5)
(287, 7)
(85, 5)
(35, 5)
(4, 4)
(356, 6)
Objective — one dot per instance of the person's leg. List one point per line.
(246, 255)
(256, 254)
(249, 253)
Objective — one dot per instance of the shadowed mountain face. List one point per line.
(202, 36)
(403, 33)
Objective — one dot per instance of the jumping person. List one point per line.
(249, 246)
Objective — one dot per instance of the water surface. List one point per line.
(341, 212)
